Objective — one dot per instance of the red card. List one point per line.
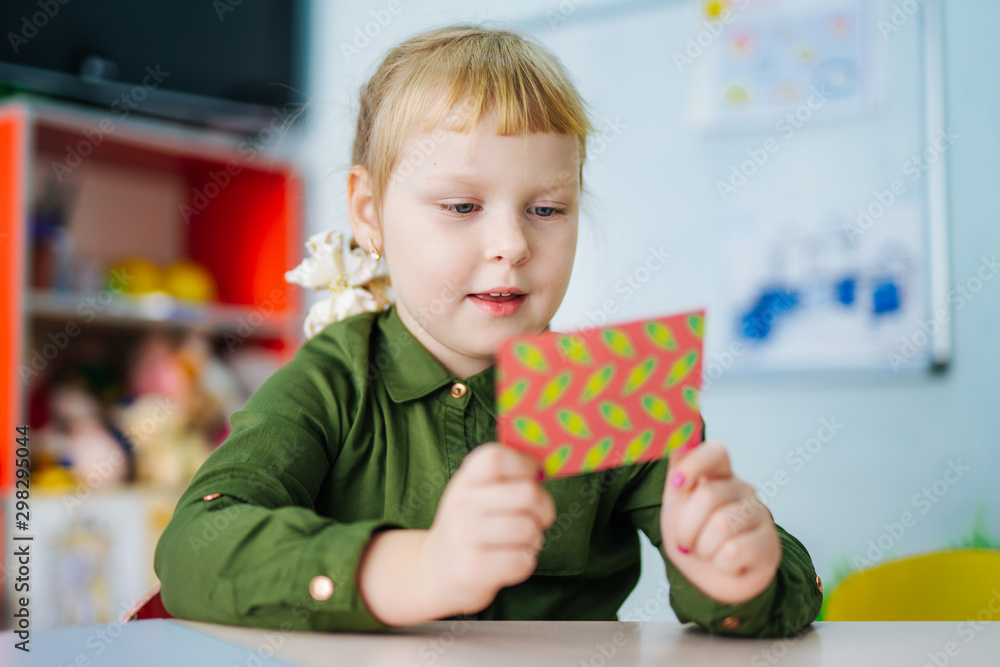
(603, 397)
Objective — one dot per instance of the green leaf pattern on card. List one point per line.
(638, 446)
(615, 416)
(690, 395)
(511, 396)
(618, 342)
(574, 350)
(531, 357)
(597, 381)
(696, 323)
(554, 390)
(680, 369)
(573, 423)
(555, 461)
(531, 430)
(640, 373)
(678, 437)
(661, 335)
(595, 455)
(657, 408)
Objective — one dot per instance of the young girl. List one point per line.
(360, 488)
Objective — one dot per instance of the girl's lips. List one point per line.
(498, 299)
(499, 306)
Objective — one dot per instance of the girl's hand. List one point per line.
(488, 529)
(715, 529)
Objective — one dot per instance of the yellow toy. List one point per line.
(949, 585)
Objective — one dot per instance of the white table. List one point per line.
(518, 643)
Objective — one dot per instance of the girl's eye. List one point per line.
(548, 211)
(458, 208)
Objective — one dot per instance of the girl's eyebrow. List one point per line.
(552, 185)
(451, 178)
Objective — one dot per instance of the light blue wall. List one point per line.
(897, 435)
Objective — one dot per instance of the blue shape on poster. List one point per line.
(885, 298)
(845, 291)
(772, 304)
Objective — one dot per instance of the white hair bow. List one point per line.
(353, 277)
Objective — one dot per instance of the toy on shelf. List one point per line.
(182, 396)
(78, 447)
(189, 280)
(184, 279)
(51, 246)
(141, 276)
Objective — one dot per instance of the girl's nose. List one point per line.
(507, 240)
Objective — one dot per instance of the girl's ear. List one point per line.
(361, 208)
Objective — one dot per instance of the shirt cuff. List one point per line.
(790, 602)
(746, 619)
(324, 587)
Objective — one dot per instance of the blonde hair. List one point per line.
(456, 75)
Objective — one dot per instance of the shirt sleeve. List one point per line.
(245, 545)
(790, 602)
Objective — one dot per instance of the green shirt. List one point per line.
(360, 432)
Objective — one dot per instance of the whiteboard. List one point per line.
(788, 155)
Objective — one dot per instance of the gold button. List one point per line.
(211, 496)
(731, 622)
(819, 584)
(458, 390)
(321, 587)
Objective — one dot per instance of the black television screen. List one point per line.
(220, 63)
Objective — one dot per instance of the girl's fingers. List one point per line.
(510, 531)
(492, 461)
(743, 515)
(742, 553)
(697, 511)
(709, 459)
(522, 496)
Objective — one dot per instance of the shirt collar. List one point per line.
(411, 371)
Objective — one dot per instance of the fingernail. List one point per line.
(541, 475)
(683, 550)
(677, 480)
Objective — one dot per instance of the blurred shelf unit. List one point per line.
(157, 309)
(139, 188)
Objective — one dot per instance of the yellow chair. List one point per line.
(941, 586)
